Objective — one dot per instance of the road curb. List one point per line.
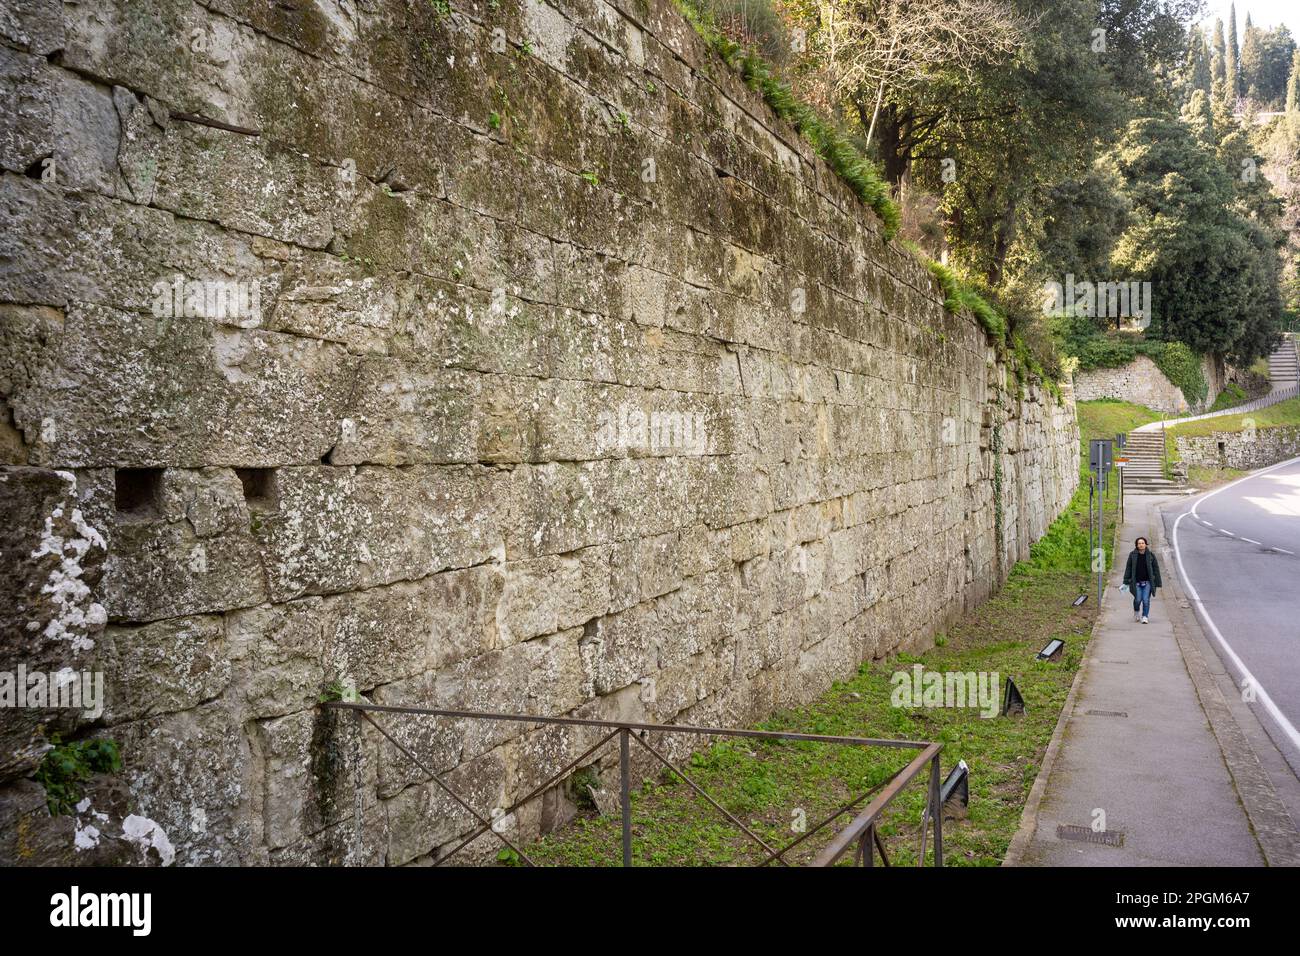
(1271, 822)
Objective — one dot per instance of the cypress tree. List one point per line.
(1293, 85)
(1232, 60)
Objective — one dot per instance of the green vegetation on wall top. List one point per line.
(831, 143)
(1080, 337)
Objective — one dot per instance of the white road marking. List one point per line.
(1250, 540)
(1206, 523)
(1227, 532)
(1284, 550)
(1262, 696)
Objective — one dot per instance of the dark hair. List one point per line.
(1140, 538)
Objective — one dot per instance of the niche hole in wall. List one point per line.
(137, 492)
(259, 488)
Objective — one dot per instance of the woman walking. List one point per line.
(1142, 576)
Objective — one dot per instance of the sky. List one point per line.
(1263, 13)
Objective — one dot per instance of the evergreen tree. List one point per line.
(1193, 235)
(1218, 51)
(1218, 67)
(1198, 64)
(1232, 60)
(1252, 66)
(1293, 85)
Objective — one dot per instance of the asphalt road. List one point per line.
(1239, 551)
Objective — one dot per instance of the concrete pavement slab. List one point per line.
(1156, 774)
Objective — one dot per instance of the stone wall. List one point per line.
(1142, 382)
(553, 375)
(1244, 450)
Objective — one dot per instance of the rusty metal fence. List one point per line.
(861, 837)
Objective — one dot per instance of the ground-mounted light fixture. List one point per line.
(1052, 652)
(1081, 600)
(954, 795)
(1013, 705)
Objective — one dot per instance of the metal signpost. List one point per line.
(1101, 456)
(1120, 461)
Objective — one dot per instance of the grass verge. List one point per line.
(773, 786)
(1272, 416)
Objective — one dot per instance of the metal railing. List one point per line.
(861, 836)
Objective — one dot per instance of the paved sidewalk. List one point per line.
(1157, 771)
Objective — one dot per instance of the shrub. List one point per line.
(65, 769)
(1079, 336)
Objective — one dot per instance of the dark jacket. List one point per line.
(1153, 569)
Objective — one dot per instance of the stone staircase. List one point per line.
(1145, 446)
(1145, 472)
(1283, 367)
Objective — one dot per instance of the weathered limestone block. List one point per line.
(437, 743)
(645, 568)
(424, 816)
(135, 248)
(285, 655)
(139, 391)
(324, 298)
(182, 547)
(345, 843)
(28, 100)
(262, 189)
(339, 529)
(413, 414)
(163, 667)
(317, 764)
(556, 592)
(579, 421)
(94, 835)
(192, 773)
(620, 648)
(695, 617)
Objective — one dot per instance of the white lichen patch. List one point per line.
(75, 615)
(86, 835)
(147, 835)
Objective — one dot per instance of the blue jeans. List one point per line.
(1142, 596)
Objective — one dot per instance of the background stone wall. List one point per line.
(556, 376)
(1245, 450)
(1141, 381)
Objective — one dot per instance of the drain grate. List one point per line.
(1102, 660)
(1089, 835)
(1107, 713)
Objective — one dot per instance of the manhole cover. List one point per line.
(1089, 835)
(1106, 713)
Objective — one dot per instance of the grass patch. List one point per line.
(958, 295)
(1208, 476)
(771, 785)
(1232, 394)
(1106, 418)
(1273, 416)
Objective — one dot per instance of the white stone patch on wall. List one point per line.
(75, 613)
